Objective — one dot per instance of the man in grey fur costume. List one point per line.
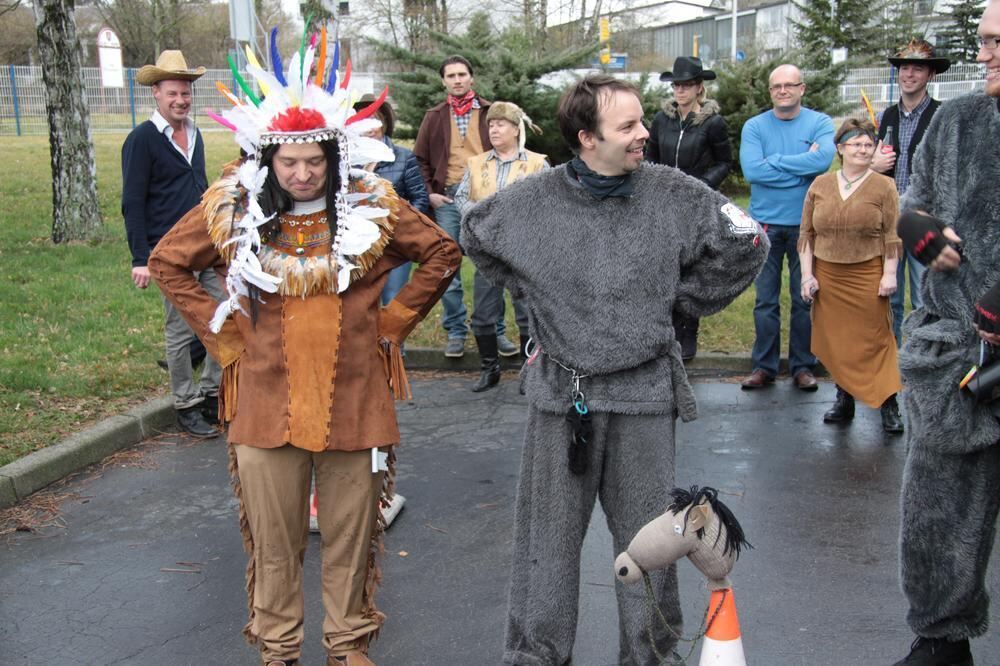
(602, 250)
(951, 481)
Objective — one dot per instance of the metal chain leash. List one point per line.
(702, 629)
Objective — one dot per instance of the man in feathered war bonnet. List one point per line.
(602, 250)
(310, 359)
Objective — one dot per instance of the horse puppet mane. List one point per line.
(735, 541)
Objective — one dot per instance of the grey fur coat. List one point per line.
(955, 177)
(600, 279)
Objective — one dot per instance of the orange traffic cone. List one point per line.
(313, 512)
(722, 645)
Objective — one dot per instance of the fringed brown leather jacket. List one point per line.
(317, 369)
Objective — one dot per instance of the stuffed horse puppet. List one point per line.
(696, 525)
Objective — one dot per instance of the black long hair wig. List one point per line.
(274, 200)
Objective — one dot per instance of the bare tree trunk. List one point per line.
(76, 214)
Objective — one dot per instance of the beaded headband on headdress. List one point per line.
(298, 107)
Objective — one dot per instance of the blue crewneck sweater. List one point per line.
(159, 187)
(775, 158)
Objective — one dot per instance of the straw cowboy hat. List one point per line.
(169, 66)
(920, 52)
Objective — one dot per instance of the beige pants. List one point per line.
(275, 488)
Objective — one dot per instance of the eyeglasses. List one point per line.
(861, 145)
(989, 43)
(784, 86)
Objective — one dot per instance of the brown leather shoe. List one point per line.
(757, 379)
(806, 381)
(356, 658)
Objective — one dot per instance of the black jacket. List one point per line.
(890, 118)
(699, 146)
(159, 187)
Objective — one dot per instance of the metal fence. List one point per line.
(22, 95)
(22, 99)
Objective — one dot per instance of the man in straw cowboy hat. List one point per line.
(899, 133)
(163, 177)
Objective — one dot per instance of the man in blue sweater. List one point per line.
(781, 152)
(163, 177)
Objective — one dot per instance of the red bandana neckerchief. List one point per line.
(462, 105)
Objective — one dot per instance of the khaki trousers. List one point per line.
(275, 492)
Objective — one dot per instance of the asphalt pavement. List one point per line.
(146, 566)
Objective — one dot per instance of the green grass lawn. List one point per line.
(80, 342)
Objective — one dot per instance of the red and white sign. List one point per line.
(109, 55)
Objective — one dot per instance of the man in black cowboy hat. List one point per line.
(900, 131)
(163, 177)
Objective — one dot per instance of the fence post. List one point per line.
(131, 94)
(13, 89)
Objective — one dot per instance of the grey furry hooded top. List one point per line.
(956, 177)
(600, 279)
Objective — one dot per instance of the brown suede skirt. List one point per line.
(852, 330)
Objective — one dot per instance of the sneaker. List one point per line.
(937, 652)
(506, 348)
(455, 348)
(390, 512)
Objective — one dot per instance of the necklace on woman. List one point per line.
(847, 182)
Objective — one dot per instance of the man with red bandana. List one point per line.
(451, 133)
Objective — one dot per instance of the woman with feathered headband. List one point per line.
(306, 239)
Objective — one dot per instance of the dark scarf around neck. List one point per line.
(600, 187)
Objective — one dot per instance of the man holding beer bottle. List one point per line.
(900, 131)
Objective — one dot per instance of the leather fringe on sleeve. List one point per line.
(228, 391)
(392, 361)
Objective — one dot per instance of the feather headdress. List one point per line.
(299, 106)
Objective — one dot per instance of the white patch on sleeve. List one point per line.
(739, 222)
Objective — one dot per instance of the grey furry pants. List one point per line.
(631, 469)
(949, 512)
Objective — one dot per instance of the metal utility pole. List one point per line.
(732, 50)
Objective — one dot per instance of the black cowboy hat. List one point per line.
(687, 69)
(920, 52)
(384, 113)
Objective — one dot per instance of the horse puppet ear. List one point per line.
(698, 516)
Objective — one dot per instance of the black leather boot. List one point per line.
(843, 408)
(489, 375)
(210, 409)
(891, 422)
(193, 423)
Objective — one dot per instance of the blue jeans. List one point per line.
(898, 299)
(397, 279)
(767, 310)
(450, 219)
